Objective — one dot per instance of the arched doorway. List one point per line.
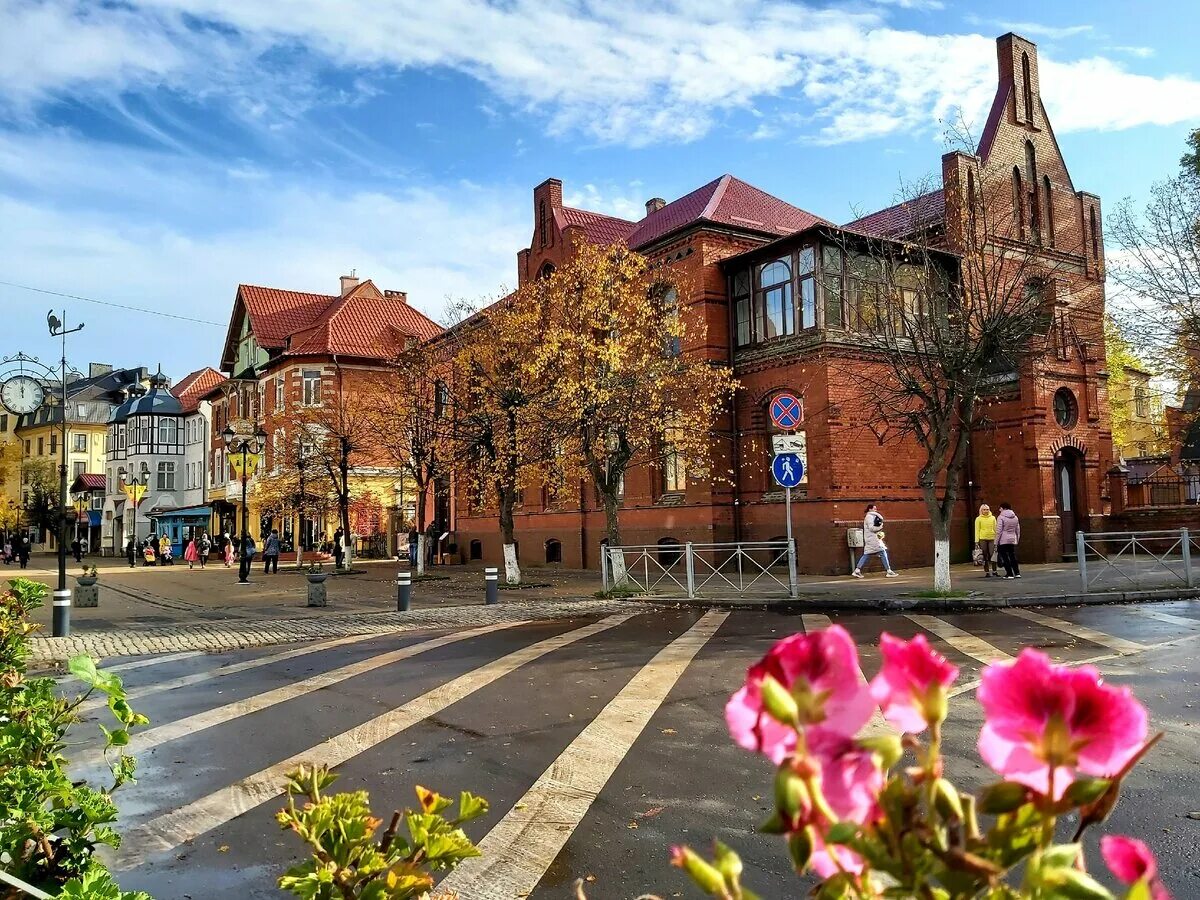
(1068, 485)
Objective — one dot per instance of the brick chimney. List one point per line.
(349, 282)
(654, 204)
(398, 296)
(97, 369)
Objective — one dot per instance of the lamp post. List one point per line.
(132, 483)
(62, 596)
(246, 447)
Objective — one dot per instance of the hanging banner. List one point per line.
(235, 463)
(134, 491)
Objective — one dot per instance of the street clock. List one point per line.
(22, 394)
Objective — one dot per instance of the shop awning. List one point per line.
(187, 512)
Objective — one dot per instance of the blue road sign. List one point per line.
(788, 469)
(786, 411)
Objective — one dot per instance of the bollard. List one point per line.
(403, 591)
(491, 578)
(62, 613)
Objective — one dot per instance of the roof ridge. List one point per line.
(715, 200)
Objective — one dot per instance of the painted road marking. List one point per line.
(90, 764)
(814, 622)
(1163, 617)
(152, 661)
(1080, 631)
(878, 724)
(519, 850)
(136, 693)
(962, 641)
(169, 830)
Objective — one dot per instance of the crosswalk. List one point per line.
(580, 731)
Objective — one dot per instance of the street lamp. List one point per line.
(246, 447)
(133, 482)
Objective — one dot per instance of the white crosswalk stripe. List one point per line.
(1080, 631)
(519, 850)
(90, 764)
(171, 829)
(962, 641)
(1161, 616)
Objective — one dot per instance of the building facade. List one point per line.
(781, 304)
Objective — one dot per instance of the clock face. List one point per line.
(22, 394)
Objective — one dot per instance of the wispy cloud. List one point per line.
(1139, 52)
(621, 71)
(1031, 29)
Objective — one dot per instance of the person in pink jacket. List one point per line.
(1008, 535)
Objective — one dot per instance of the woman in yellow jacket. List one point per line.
(985, 540)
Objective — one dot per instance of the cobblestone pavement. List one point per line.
(232, 635)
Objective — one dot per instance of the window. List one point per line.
(740, 291)
(1026, 88)
(774, 312)
(831, 285)
(168, 432)
(279, 393)
(3, 421)
(312, 388)
(1048, 199)
(53, 444)
(120, 437)
(1095, 236)
(476, 549)
(971, 201)
(27, 447)
(543, 230)
(806, 270)
(1066, 408)
(1018, 203)
(1064, 478)
(865, 300)
(78, 468)
(80, 442)
(1035, 210)
(674, 473)
(545, 271)
(1139, 402)
(166, 476)
(553, 551)
(441, 399)
(41, 446)
(670, 303)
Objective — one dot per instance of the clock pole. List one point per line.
(62, 596)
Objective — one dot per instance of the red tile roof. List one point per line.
(725, 201)
(904, 218)
(91, 481)
(275, 314)
(363, 324)
(599, 228)
(192, 388)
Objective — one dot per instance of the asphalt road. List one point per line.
(599, 742)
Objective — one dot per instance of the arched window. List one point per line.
(1018, 203)
(545, 271)
(553, 551)
(1095, 236)
(971, 200)
(1027, 88)
(668, 551)
(1035, 212)
(774, 309)
(1048, 199)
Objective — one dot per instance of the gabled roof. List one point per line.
(599, 228)
(192, 388)
(276, 314)
(904, 218)
(724, 201)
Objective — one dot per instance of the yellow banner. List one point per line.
(134, 492)
(235, 463)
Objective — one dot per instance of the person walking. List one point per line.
(131, 551)
(191, 554)
(204, 548)
(985, 540)
(431, 538)
(227, 549)
(1008, 535)
(271, 553)
(413, 543)
(23, 551)
(873, 543)
(75, 550)
(339, 550)
(8, 551)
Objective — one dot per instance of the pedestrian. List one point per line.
(873, 543)
(131, 551)
(191, 554)
(413, 544)
(339, 551)
(148, 555)
(166, 553)
(75, 550)
(8, 551)
(985, 540)
(1008, 535)
(271, 553)
(250, 550)
(204, 549)
(23, 551)
(227, 549)
(84, 546)
(431, 537)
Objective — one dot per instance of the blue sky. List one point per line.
(155, 153)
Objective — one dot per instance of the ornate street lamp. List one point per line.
(132, 484)
(247, 447)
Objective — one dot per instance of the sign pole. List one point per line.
(791, 550)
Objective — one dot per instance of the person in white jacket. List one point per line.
(873, 544)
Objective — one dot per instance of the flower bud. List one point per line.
(706, 876)
(800, 846)
(779, 702)
(946, 801)
(888, 747)
(792, 797)
(937, 705)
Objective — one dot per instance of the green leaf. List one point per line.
(800, 846)
(1071, 884)
(83, 667)
(888, 747)
(1061, 855)
(1003, 797)
(841, 833)
(1086, 790)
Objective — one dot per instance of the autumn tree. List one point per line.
(944, 320)
(297, 483)
(10, 473)
(613, 342)
(40, 477)
(412, 426)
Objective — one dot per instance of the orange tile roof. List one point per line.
(599, 228)
(192, 388)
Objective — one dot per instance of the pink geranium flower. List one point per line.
(821, 671)
(911, 686)
(850, 777)
(1044, 722)
(1132, 861)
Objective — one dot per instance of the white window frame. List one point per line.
(166, 476)
(311, 396)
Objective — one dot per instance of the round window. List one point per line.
(1066, 409)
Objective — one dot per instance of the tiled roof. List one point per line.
(91, 481)
(903, 218)
(192, 388)
(363, 324)
(725, 201)
(600, 229)
(275, 314)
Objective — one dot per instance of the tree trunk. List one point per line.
(421, 538)
(512, 569)
(940, 526)
(612, 526)
(344, 507)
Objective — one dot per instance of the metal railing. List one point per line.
(1139, 558)
(1162, 490)
(749, 568)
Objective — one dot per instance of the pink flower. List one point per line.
(1043, 722)
(1131, 861)
(850, 777)
(829, 859)
(821, 671)
(911, 685)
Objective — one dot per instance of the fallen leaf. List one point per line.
(224, 848)
(632, 825)
(669, 731)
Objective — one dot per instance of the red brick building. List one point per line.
(778, 300)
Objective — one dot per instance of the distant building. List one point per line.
(1137, 414)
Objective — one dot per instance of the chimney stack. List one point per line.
(97, 369)
(401, 296)
(349, 282)
(654, 204)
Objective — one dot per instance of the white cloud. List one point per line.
(1139, 52)
(1032, 29)
(619, 71)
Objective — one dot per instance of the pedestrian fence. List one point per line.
(743, 569)
(1136, 559)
